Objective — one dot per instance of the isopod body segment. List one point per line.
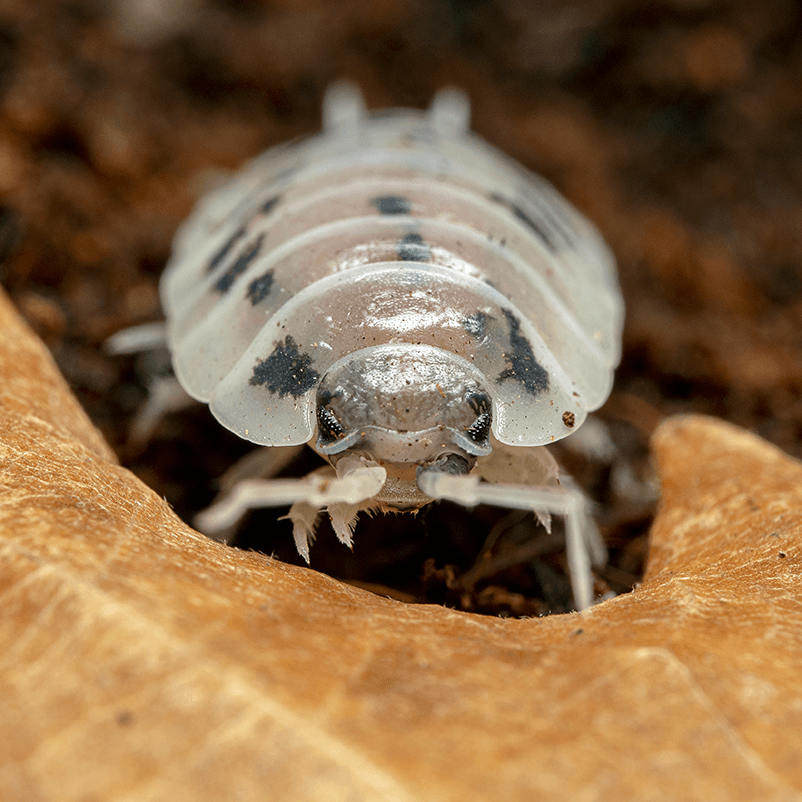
(392, 233)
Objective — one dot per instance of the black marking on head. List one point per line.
(476, 325)
(413, 249)
(391, 204)
(239, 265)
(259, 288)
(524, 368)
(268, 205)
(286, 371)
(225, 249)
(542, 231)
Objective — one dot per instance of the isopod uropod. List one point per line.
(391, 292)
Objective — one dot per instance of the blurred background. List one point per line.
(674, 125)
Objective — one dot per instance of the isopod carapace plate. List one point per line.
(390, 229)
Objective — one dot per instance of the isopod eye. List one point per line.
(479, 430)
(329, 428)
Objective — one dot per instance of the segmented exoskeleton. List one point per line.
(404, 298)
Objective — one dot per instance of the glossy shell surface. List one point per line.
(393, 229)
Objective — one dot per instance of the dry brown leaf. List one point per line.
(141, 661)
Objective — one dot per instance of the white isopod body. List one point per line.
(388, 291)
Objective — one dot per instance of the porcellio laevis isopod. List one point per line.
(410, 302)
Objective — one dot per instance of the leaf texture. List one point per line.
(141, 661)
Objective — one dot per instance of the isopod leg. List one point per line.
(321, 489)
(597, 550)
(567, 501)
(261, 463)
(165, 395)
(136, 339)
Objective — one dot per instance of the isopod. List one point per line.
(404, 298)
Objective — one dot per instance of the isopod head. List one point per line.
(404, 407)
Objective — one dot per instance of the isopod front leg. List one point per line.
(566, 501)
(343, 492)
(260, 464)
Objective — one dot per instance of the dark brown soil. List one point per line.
(674, 125)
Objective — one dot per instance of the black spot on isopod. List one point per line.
(524, 368)
(239, 265)
(259, 288)
(392, 204)
(286, 371)
(268, 205)
(476, 325)
(225, 249)
(559, 225)
(413, 249)
(542, 231)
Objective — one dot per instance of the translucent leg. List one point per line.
(261, 463)
(323, 488)
(165, 395)
(450, 112)
(136, 339)
(343, 107)
(468, 491)
(595, 542)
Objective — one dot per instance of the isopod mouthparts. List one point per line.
(403, 403)
(449, 464)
